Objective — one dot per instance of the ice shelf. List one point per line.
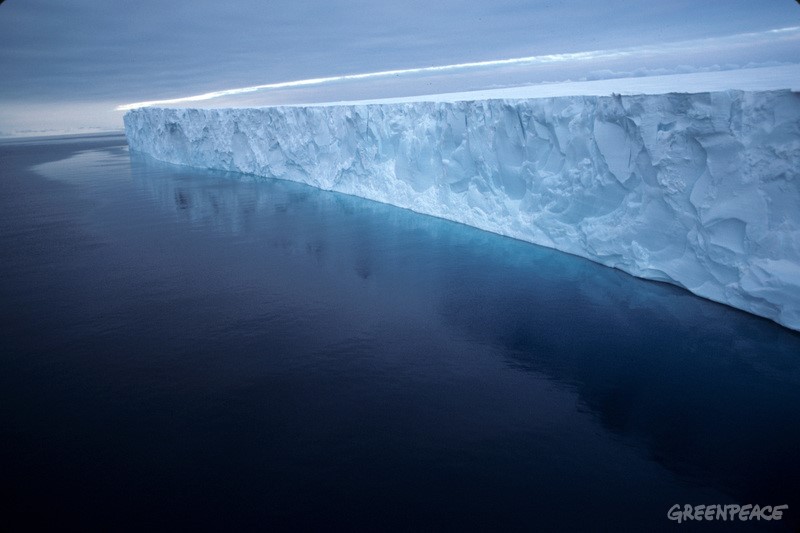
(700, 190)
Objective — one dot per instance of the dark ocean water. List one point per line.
(195, 349)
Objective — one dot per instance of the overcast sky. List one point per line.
(63, 63)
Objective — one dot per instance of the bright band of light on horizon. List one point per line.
(731, 40)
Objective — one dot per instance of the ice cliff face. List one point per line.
(700, 190)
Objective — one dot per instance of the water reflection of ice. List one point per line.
(698, 385)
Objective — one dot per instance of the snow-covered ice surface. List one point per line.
(751, 79)
(700, 190)
(414, 90)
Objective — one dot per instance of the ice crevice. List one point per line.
(700, 190)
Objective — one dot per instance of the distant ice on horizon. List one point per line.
(746, 79)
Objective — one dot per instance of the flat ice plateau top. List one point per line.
(700, 190)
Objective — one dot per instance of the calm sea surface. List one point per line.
(195, 349)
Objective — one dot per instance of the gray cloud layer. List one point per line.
(53, 51)
(86, 49)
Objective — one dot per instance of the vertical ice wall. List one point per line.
(700, 190)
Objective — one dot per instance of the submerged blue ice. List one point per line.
(699, 190)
